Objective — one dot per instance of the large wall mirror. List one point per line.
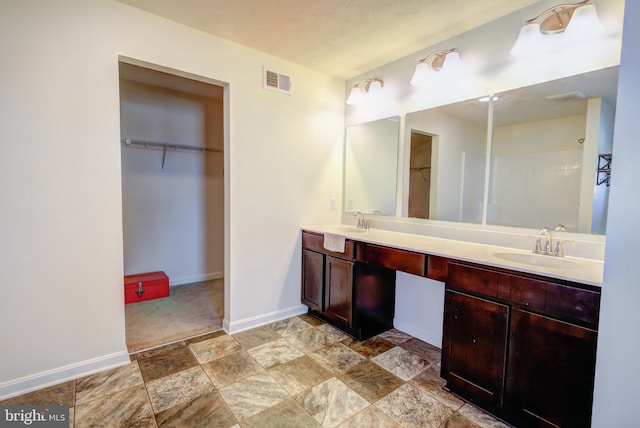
(547, 142)
(371, 167)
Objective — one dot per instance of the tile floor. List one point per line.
(299, 372)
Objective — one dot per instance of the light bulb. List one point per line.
(529, 40)
(421, 75)
(452, 64)
(375, 89)
(355, 96)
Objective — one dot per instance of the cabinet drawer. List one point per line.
(314, 241)
(437, 268)
(573, 303)
(527, 292)
(392, 258)
(473, 279)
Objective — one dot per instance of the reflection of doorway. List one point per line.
(420, 175)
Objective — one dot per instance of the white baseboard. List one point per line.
(59, 375)
(260, 320)
(432, 338)
(195, 278)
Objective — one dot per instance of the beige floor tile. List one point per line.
(205, 411)
(287, 414)
(431, 382)
(480, 418)
(218, 347)
(424, 350)
(227, 370)
(370, 417)
(256, 337)
(125, 408)
(290, 326)
(108, 382)
(338, 358)
(63, 394)
(395, 336)
(331, 402)
(412, 407)
(401, 362)
(273, 353)
(178, 388)
(299, 374)
(309, 340)
(369, 348)
(172, 360)
(253, 395)
(371, 381)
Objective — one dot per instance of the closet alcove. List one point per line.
(172, 140)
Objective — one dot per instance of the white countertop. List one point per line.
(586, 271)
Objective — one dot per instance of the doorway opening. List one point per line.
(420, 175)
(172, 135)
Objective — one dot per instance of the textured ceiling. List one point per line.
(344, 38)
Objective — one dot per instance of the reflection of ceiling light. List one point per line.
(370, 88)
(487, 98)
(576, 22)
(443, 61)
(568, 96)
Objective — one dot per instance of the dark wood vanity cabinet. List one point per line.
(521, 346)
(312, 279)
(475, 334)
(355, 297)
(551, 371)
(338, 290)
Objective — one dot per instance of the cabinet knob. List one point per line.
(526, 303)
(475, 341)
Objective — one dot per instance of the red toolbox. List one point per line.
(145, 286)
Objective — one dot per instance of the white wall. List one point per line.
(61, 252)
(617, 370)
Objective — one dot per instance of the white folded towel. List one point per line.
(334, 243)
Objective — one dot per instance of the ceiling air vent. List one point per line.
(278, 82)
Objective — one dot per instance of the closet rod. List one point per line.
(164, 146)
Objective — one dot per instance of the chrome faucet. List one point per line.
(548, 249)
(363, 223)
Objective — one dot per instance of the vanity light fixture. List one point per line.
(366, 88)
(442, 61)
(573, 21)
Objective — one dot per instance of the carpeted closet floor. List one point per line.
(190, 310)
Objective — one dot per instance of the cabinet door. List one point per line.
(312, 279)
(474, 347)
(338, 297)
(550, 378)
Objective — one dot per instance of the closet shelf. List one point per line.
(165, 146)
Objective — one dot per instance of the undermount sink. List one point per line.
(538, 260)
(348, 229)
